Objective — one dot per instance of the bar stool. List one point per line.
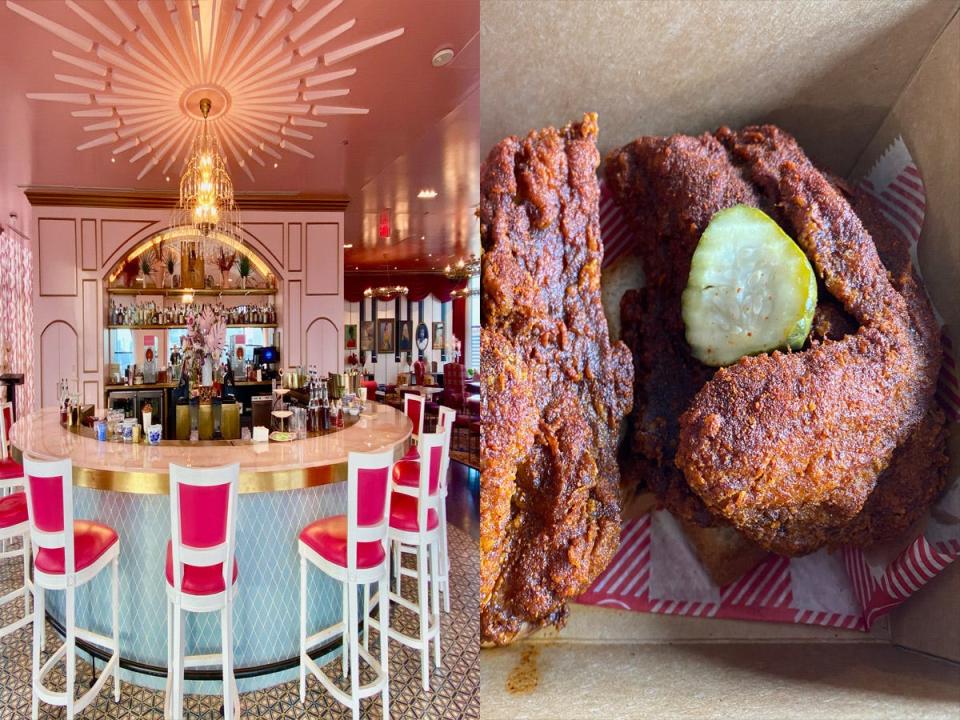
(65, 561)
(406, 480)
(413, 408)
(351, 549)
(201, 573)
(14, 522)
(415, 524)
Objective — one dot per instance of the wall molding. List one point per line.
(53, 195)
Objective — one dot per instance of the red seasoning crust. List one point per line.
(554, 388)
(788, 446)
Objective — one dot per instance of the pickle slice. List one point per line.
(751, 289)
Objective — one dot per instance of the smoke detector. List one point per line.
(442, 57)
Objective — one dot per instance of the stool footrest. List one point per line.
(324, 635)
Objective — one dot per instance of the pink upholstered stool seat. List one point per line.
(198, 580)
(90, 541)
(328, 538)
(406, 472)
(13, 509)
(403, 514)
(10, 469)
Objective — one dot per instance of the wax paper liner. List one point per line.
(656, 570)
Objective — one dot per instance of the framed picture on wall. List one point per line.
(385, 336)
(368, 336)
(350, 337)
(439, 338)
(405, 336)
(423, 337)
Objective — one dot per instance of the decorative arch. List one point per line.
(173, 235)
(59, 345)
(322, 343)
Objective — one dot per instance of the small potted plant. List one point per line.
(145, 267)
(169, 263)
(244, 267)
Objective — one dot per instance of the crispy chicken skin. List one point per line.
(554, 387)
(788, 447)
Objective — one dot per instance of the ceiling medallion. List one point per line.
(271, 70)
(463, 269)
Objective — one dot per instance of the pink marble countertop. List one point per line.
(263, 466)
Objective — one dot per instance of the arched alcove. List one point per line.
(59, 358)
(323, 343)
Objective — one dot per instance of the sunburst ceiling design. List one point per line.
(271, 69)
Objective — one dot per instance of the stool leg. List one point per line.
(354, 652)
(345, 636)
(397, 564)
(116, 627)
(366, 616)
(444, 556)
(38, 628)
(227, 654)
(303, 629)
(383, 587)
(435, 599)
(422, 602)
(178, 662)
(25, 541)
(168, 700)
(71, 641)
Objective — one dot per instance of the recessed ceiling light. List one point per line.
(429, 254)
(168, 178)
(422, 237)
(113, 160)
(427, 194)
(276, 164)
(347, 246)
(442, 57)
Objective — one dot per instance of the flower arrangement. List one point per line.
(205, 339)
(353, 360)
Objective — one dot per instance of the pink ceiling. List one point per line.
(422, 129)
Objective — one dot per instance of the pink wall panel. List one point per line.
(115, 233)
(324, 261)
(270, 236)
(91, 326)
(88, 244)
(323, 343)
(294, 247)
(91, 393)
(294, 320)
(57, 259)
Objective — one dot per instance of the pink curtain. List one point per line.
(16, 314)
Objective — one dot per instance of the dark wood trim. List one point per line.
(47, 195)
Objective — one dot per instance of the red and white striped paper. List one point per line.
(656, 570)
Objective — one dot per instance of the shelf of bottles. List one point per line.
(151, 316)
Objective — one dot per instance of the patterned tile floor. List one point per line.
(455, 686)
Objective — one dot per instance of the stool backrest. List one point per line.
(50, 507)
(445, 417)
(368, 501)
(6, 422)
(434, 458)
(413, 408)
(203, 512)
(419, 371)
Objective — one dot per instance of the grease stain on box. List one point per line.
(525, 675)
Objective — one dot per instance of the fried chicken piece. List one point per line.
(669, 189)
(788, 447)
(551, 505)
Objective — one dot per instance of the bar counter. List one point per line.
(285, 487)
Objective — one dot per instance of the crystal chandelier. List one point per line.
(464, 293)
(463, 269)
(206, 191)
(386, 292)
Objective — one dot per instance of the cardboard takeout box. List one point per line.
(846, 79)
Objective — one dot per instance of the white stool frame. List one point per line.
(445, 425)
(179, 602)
(351, 577)
(426, 544)
(69, 581)
(21, 530)
(419, 400)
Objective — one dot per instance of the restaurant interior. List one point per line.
(239, 327)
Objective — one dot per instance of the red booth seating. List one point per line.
(419, 372)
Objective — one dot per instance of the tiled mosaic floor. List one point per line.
(455, 686)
